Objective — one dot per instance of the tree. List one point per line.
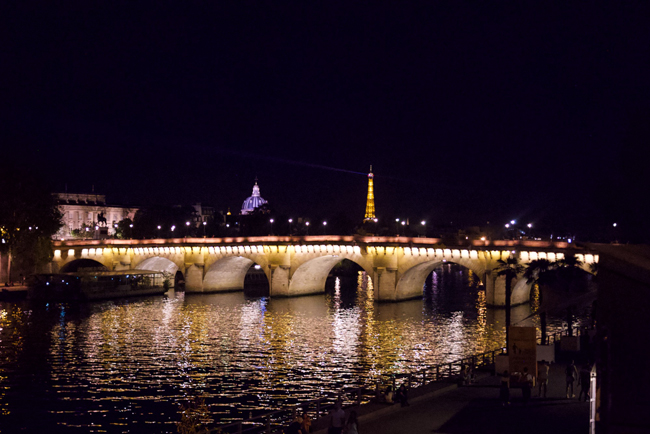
(563, 275)
(510, 269)
(29, 217)
(540, 271)
(569, 273)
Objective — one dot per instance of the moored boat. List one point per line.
(96, 285)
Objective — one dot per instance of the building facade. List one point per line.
(84, 212)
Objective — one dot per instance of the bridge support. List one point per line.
(279, 280)
(495, 290)
(385, 282)
(194, 278)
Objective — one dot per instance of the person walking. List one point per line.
(388, 396)
(571, 375)
(542, 378)
(337, 419)
(295, 427)
(306, 423)
(402, 396)
(352, 426)
(584, 382)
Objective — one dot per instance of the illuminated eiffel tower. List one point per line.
(370, 202)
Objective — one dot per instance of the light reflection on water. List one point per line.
(124, 366)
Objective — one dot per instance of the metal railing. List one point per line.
(275, 421)
(556, 336)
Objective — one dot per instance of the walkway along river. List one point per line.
(127, 365)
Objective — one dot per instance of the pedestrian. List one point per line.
(462, 381)
(571, 375)
(295, 427)
(542, 378)
(471, 377)
(388, 396)
(337, 419)
(504, 389)
(526, 384)
(584, 380)
(352, 426)
(402, 396)
(306, 423)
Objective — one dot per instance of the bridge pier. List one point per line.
(385, 283)
(495, 290)
(279, 280)
(194, 277)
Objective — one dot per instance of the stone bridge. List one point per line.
(294, 266)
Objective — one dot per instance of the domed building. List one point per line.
(253, 202)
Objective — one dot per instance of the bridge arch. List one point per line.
(164, 265)
(311, 276)
(412, 281)
(77, 264)
(228, 274)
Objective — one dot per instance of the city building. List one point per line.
(202, 213)
(83, 212)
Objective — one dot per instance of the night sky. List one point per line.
(468, 112)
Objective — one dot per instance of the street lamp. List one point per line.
(324, 227)
(307, 224)
(290, 221)
(271, 221)
(204, 223)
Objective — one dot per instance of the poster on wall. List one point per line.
(522, 353)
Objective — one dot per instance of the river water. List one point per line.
(127, 365)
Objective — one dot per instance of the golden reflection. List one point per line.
(534, 297)
(142, 357)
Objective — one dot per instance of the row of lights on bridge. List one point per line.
(403, 222)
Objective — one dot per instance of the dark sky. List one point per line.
(467, 112)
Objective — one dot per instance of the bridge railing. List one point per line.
(276, 421)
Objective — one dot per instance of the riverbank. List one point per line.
(13, 292)
(447, 408)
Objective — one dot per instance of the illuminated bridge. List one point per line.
(294, 266)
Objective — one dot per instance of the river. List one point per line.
(127, 365)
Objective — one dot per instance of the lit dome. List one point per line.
(255, 201)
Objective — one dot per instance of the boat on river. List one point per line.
(96, 285)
